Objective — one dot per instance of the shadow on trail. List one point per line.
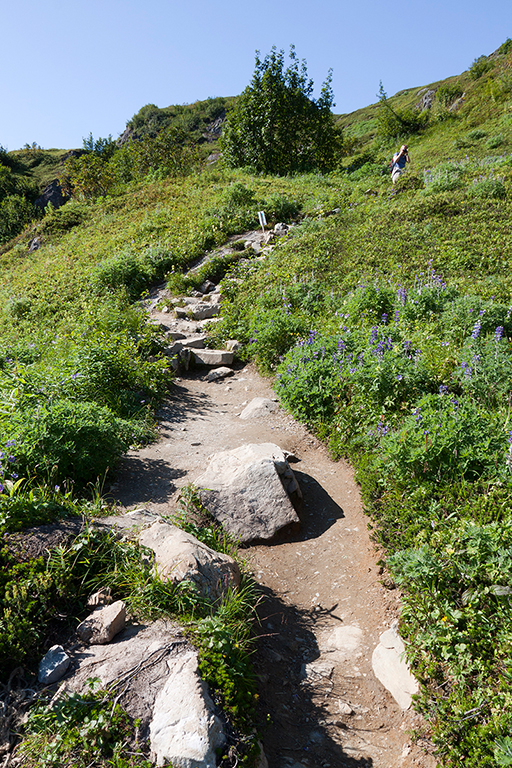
(293, 717)
(133, 486)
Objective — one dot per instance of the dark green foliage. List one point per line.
(447, 93)
(68, 440)
(103, 147)
(61, 220)
(505, 47)
(396, 123)
(479, 67)
(192, 118)
(15, 213)
(91, 730)
(276, 125)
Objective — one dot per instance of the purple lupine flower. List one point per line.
(384, 318)
(397, 316)
(476, 330)
(443, 389)
(498, 333)
(373, 337)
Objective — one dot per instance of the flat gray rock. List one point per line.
(212, 356)
(249, 491)
(258, 408)
(54, 665)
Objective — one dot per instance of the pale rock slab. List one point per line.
(103, 625)
(233, 345)
(345, 642)
(391, 669)
(185, 730)
(248, 490)
(180, 556)
(258, 408)
(54, 665)
(212, 356)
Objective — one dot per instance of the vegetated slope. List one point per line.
(392, 317)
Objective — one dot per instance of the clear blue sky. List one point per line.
(70, 67)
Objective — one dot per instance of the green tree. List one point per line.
(394, 122)
(276, 125)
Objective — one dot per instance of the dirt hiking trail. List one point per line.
(317, 708)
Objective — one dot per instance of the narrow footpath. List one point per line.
(324, 606)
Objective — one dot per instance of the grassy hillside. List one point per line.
(385, 317)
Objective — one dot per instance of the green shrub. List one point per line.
(476, 134)
(494, 141)
(479, 67)
(487, 187)
(121, 271)
(279, 208)
(15, 213)
(447, 93)
(443, 439)
(63, 219)
(67, 440)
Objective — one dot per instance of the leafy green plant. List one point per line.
(89, 729)
(479, 67)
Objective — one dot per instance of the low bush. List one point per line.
(479, 67)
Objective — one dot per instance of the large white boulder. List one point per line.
(185, 730)
(180, 556)
(250, 491)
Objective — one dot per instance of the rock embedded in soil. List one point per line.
(179, 556)
(219, 373)
(258, 408)
(185, 730)
(392, 670)
(212, 356)
(54, 665)
(103, 625)
(246, 489)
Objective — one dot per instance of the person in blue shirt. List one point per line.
(398, 164)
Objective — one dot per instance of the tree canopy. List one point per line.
(276, 125)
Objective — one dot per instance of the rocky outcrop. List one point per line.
(250, 491)
(53, 194)
(181, 557)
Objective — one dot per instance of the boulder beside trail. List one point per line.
(180, 557)
(250, 491)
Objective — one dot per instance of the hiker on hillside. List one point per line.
(398, 162)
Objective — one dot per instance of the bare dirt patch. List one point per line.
(312, 712)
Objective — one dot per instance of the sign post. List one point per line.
(262, 220)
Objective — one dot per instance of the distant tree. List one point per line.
(276, 125)
(105, 148)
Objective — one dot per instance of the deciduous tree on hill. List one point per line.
(277, 126)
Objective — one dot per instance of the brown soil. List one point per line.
(325, 577)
